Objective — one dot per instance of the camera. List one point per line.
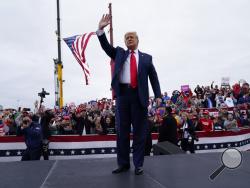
(43, 93)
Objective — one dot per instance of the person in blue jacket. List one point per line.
(32, 132)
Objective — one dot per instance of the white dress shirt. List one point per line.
(125, 72)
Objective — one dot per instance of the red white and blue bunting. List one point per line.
(97, 146)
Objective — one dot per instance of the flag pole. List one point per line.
(112, 63)
(111, 25)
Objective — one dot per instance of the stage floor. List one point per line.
(168, 171)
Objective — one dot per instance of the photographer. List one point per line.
(32, 132)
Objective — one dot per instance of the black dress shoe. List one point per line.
(139, 171)
(121, 169)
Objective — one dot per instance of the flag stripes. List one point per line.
(77, 45)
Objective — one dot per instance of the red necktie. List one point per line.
(133, 70)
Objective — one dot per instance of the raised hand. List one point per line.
(105, 20)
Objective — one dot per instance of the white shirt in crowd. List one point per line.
(219, 100)
(229, 102)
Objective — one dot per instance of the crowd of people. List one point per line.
(209, 108)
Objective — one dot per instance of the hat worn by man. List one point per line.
(206, 112)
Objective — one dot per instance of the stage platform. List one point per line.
(168, 171)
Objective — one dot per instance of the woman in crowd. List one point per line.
(108, 125)
(230, 123)
(187, 132)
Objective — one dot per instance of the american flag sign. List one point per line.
(77, 45)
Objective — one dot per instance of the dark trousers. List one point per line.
(187, 146)
(80, 129)
(32, 154)
(45, 149)
(129, 111)
(148, 145)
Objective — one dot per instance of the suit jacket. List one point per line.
(190, 129)
(145, 70)
(168, 130)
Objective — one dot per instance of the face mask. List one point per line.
(1, 122)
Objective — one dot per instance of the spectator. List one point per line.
(108, 126)
(4, 129)
(175, 96)
(244, 96)
(205, 122)
(198, 101)
(187, 132)
(79, 118)
(236, 90)
(219, 99)
(244, 119)
(230, 123)
(198, 91)
(98, 125)
(207, 102)
(165, 97)
(218, 123)
(90, 122)
(230, 100)
(168, 129)
(194, 119)
(66, 125)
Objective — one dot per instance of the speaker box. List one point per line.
(166, 148)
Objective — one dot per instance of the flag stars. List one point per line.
(72, 152)
(51, 152)
(19, 153)
(103, 150)
(62, 152)
(83, 152)
(7, 153)
(92, 151)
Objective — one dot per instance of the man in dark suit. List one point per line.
(168, 129)
(130, 83)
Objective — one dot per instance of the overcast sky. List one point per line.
(191, 41)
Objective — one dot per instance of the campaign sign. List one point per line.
(184, 88)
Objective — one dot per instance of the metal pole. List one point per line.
(56, 83)
(60, 66)
(58, 32)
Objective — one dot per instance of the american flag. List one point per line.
(77, 45)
